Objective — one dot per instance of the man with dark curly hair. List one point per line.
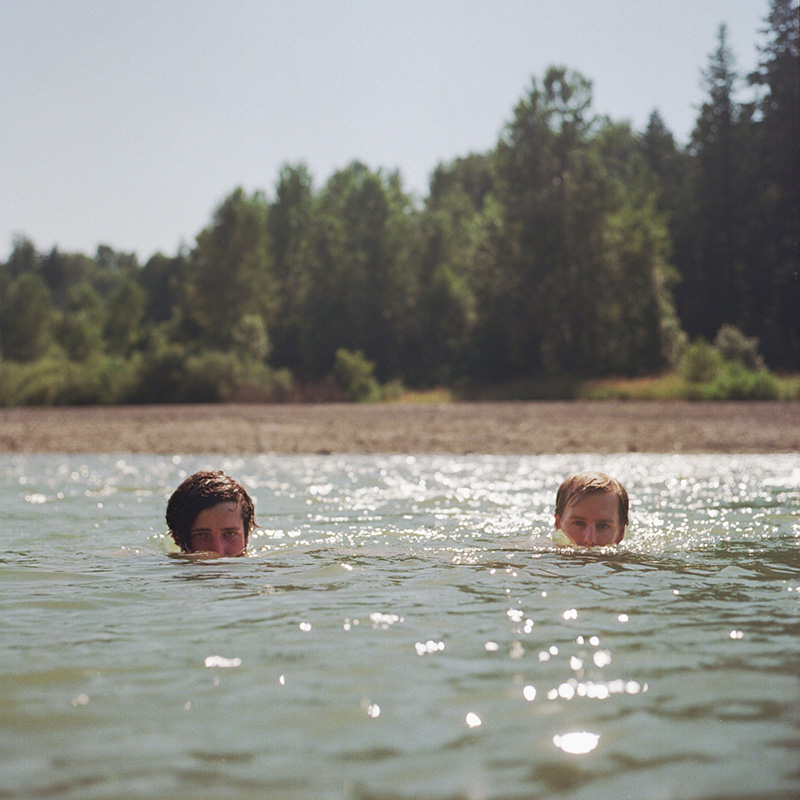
(211, 513)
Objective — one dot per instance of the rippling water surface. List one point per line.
(403, 629)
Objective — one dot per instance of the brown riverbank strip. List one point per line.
(520, 427)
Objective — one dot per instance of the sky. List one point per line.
(127, 122)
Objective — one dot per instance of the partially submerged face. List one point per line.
(210, 513)
(219, 529)
(592, 519)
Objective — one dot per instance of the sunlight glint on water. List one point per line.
(403, 627)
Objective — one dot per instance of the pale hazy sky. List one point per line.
(126, 122)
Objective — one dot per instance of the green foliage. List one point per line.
(26, 318)
(355, 375)
(124, 311)
(361, 272)
(734, 346)
(576, 248)
(231, 270)
(732, 382)
(250, 340)
(737, 382)
(78, 335)
(160, 375)
(210, 377)
(55, 381)
(700, 362)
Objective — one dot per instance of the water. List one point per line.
(403, 629)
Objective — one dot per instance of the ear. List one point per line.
(620, 537)
(177, 541)
(557, 522)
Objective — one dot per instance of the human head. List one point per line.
(201, 493)
(592, 509)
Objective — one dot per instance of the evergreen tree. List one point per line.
(362, 275)
(290, 226)
(710, 293)
(451, 231)
(775, 277)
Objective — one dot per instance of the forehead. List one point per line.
(602, 503)
(224, 510)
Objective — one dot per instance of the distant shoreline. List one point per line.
(458, 428)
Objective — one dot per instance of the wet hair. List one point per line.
(201, 491)
(582, 483)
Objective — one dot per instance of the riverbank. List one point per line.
(514, 428)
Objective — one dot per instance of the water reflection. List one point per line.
(406, 626)
(576, 742)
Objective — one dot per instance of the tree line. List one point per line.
(577, 246)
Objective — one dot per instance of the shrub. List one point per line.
(210, 377)
(160, 376)
(700, 362)
(355, 374)
(736, 382)
(47, 382)
(734, 346)
(250, 338)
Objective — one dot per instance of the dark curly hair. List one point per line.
(201, 491)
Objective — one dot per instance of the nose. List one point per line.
(591, 535)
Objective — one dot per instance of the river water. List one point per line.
(403, 628)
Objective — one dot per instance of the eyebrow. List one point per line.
(225, 528)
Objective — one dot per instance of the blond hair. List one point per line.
(582, 483)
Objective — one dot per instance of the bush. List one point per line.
(159, 376)
(355, 374)
(735, 347)
(736, 382)
(262, 384)
(210, 378)
(58, 382)
(700, 362)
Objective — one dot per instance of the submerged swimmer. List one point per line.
(591, 509)
(211, 513)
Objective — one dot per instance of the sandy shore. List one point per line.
(535, 428)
